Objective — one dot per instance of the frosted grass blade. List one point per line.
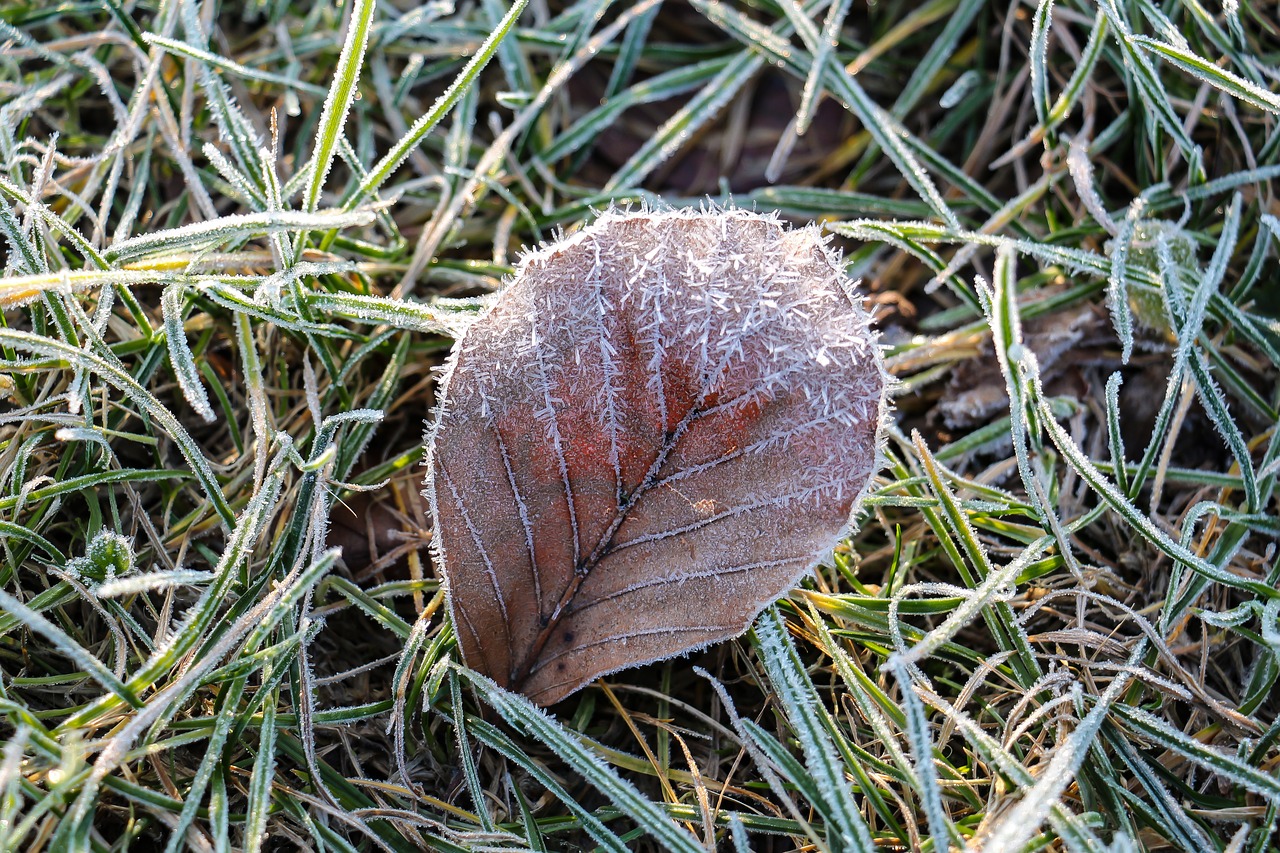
(407, 144)
(528, 718)
(180, 356)
(1220, 78)
(213, 232)
(337, 103)
(798, 701)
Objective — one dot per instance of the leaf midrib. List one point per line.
(602, 548)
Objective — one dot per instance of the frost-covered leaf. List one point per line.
(660, 426)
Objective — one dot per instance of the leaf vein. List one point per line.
(553, 429)
(771, 502)
(721, 571)
(523, 509)
(479, 543)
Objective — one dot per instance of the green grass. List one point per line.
(238, 238)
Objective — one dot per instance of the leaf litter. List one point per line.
(664, 422)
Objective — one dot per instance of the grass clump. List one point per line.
(238, 237)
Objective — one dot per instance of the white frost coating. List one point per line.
(180, 356)
(798, 699)
(663, 410)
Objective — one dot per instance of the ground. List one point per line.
(240, 238)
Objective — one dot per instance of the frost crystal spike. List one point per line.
(660, 426)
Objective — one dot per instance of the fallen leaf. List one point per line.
(659, 427)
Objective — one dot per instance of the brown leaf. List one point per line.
(660, 426)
